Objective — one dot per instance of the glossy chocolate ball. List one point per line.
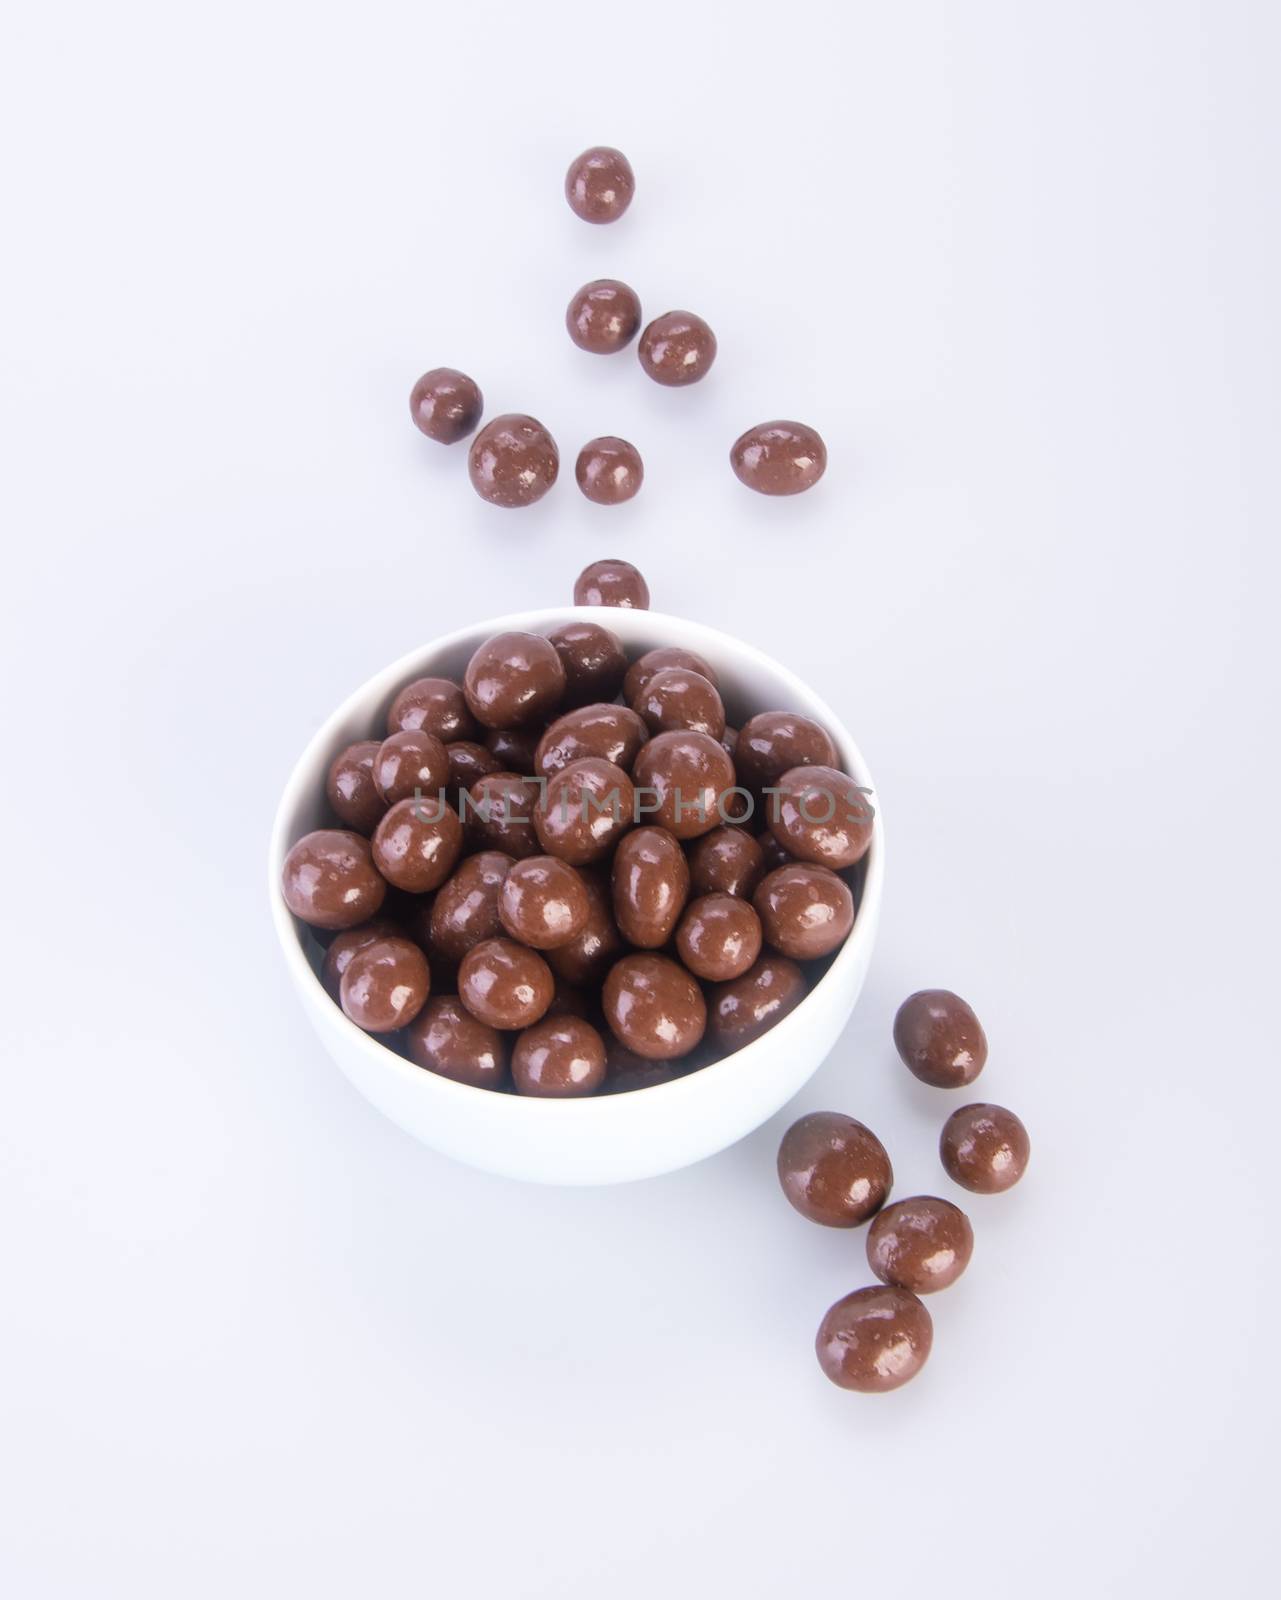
(922, 1244)
(984, 1148)
(584, 810)
(593, 659)
(385, 985)
(432, 705)
(446, 1039)
(779, 458)
(611, 733)
(411, 763)
(719, 937)
(592, 952)
(773, 742)
(834, 1170)
(650, 887)
(611, 583)
(505, 984)
(345, 944)
(417, 843)
(741, 1010)
(726, 861)
(940, 1039)
(513, 461)
(806, 911)
(446, 405)
(514, 680)
(513, 748)
(667, 655)
(821, 815)
(600, 184)
(351, 790)
(676, 698)
(687, 778)
(559, 1057)
(543, 903)
(499, 813)
(465, 910)
(677, 348)
(468, 762)
(875, 1339)
(654, 1007)
(330, 879)
(603, 316)
(609, 470)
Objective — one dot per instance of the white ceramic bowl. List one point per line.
(607, 1138)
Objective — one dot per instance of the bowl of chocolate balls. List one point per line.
(579, 895)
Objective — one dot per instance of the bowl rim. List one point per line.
(321, 748)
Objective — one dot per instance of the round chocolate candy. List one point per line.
(612, 733)
(465, 910)
(666, 655)
(726, 861)
(654, 1007)
(779, 458)
(687, 778)
(592, 952)
(650, 887)
(940, 1039)
(513, 461)
(741, 1010)
(330, 880)
(446, 405)
(609, 470)
(719, 937)
(677, 348)
(417, 843)
(805, 911)
(983, 1147)
(584, 810)
(543, 903)
(600, 184)
(505, 984)
(611, 583)
(603, 316)
(345, 944)
(922, 1244)
(773, 742)
(513, 748)
(446, 1039)
(558, 1058)
(350, 787)
(468, 761)
(834, 1170)
(411, 763)
(432, 705)
(514, 680)
(499, 813)
(676, 698)
(819, 814)
(875, 1339)
(593, 660)
(385, 985)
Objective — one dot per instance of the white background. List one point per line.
(1019, 263)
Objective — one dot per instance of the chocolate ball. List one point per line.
(609, 470)
(874, 1340)
(719, 937)
(384, 985)
(603, 316)
(584, 810)
(499, 813)
(667, 655)
(821, 815)
(465, 910)
(834, 1170)
(446, 405)
(417, 843)
(543, 903)
(677, 348)
(468, 761)
(514, 680)
(513, 461)
(345, 944)
(350, 788)
(922, 1244)
(779, 458)
(688, 777)
(726, 861)
(627, 1071)
(773, 742)
(611, 583)
(432, 705)
(505, 984)
(654, 1007)
(411, 763)
(592, 952)
(650, 887)
(805, 911)
(593, 659)
(600, 184)
(984, 1148)
(558, 1058)
(611, 733)
(513, 748)
(446, 1039)
(741, 1010)
(330, 880)
(676, 698)
(773, 853)
(940, 1039)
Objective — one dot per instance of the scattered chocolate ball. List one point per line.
(416, 844)
(468, 761)
(446, 1039)
(543, 903)
(834, 1170)
(719, 937)
(726, 861)
(513, 461)
(345, 944)
(411, 763)
(330, 880)
(609, 470)
(923, 1244)
(465, 910)
(504, 984)
(384, 985)
(821, 815)
(638, 675)
(499, 813)
(513, 748)
(984, 1148)
(806, 911)
(432, 705)
(654, 1007)
(611, 583)
(603, 316)
(940, 1039)
(677, 348)
(874, 1340)
(587, 957)
(514, 680)
(584, 810)
(446, 405)
(600, 184)
(612, 733)
(779, 458)
(594, 662)
(676, 698)
(350, 788)
(774, 742)
(559, 1057)
(688, 776)
(650, 887)
(741, 1010)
